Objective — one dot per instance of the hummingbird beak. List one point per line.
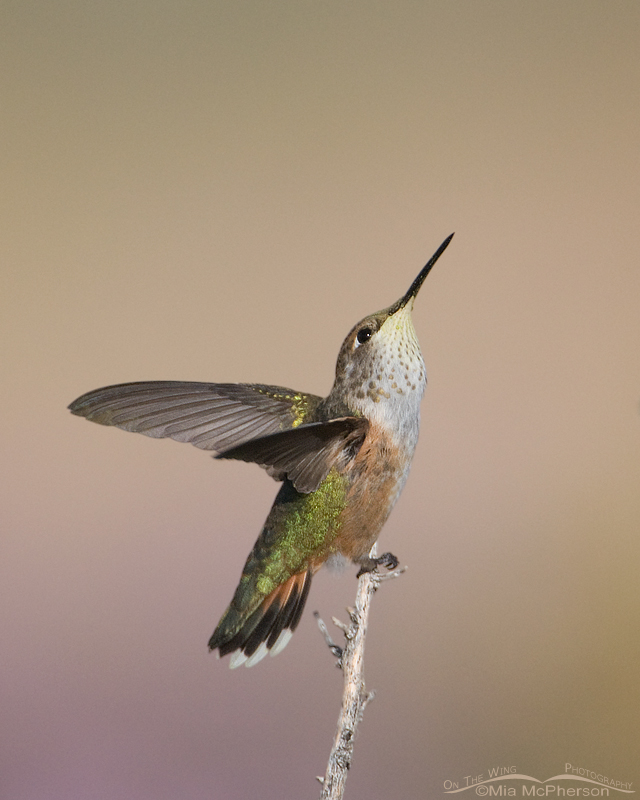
(415, 286)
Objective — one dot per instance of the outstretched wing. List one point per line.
(305, 454)
(212, 416)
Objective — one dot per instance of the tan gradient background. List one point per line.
(218, 191)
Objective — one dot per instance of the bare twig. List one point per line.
(335, 649)
(355, 696)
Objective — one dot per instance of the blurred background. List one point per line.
(219, 191)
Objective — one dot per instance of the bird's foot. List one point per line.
(369, 564)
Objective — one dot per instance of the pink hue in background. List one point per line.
(218, 191)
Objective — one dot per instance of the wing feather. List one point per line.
(211, 416)
(305, 454)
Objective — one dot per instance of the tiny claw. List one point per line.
(387, 560)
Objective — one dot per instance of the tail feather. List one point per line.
(268, 628)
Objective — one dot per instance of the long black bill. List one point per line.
(415, 286)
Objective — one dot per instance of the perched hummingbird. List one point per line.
(343, 461)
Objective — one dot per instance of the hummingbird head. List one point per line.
(380, 370)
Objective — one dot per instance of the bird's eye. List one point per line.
(363, 335)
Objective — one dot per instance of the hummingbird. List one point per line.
(342, 461)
